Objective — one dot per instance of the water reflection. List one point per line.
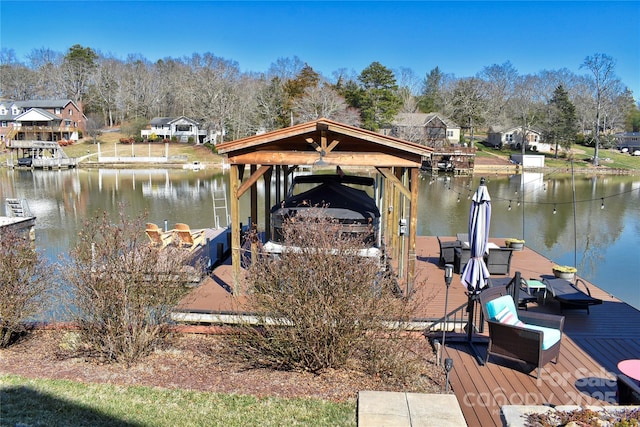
(605, 241)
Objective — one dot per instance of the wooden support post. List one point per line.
(235, 226)
(267, 203)
(397, 210)
(413, 229)
(254, 200)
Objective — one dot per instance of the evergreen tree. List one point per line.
(377, 96)
(77, 67)
(633, 120)
(431, 98)
(562, 124)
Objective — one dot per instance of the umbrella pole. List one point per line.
(471, 310)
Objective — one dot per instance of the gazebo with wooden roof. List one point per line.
(329, 143)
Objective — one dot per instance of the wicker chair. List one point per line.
(533, 338)
(447, 250)
(460, 259)
(499, 260)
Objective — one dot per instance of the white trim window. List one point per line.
(58, 110)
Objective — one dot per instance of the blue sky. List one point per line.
(460, 37)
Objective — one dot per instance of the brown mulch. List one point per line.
(196, 362)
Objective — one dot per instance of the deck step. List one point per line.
(398, 409)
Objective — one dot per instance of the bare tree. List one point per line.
(106, 82)
(244, 118)
(323, 101)
(604, 79)
(469, 104)
(498, 84)
(213, 90)
(525, 106)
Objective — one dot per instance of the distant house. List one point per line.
(514, 137)
(41, 120)
(628, 140)
(180, 129)
(431, 129)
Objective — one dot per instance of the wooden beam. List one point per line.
(333, 145)
(387, 173)
(252, 179)
(309, 158)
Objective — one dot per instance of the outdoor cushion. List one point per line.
(495, 306)
(550, 336)
(508, 317)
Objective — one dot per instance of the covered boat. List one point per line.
(346, 199)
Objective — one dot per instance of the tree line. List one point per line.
(215, 92)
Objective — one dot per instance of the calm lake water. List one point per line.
(605, 241)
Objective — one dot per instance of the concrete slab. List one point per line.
(397, 409)
(383, 408)
(435, 410)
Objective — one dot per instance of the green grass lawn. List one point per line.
(66, 403)
(609, 158)
(109, 143)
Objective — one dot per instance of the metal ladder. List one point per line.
(17, 208)
(220, 204)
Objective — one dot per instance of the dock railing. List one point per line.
(456, 321)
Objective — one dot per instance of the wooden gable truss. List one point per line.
(325, 143)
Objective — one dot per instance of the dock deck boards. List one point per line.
(592, 344)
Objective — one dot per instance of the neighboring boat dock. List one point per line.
(592, 344)
(18, 218)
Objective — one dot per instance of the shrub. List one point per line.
(321, 306)
(123, 288)
(23, 285)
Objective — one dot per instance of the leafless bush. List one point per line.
(123, 289)
(23, 285)
(320, 305)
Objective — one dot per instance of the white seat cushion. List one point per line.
(550, 336)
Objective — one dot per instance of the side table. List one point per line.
(629, 382)
(537, 286)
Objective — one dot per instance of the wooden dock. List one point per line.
(592, 344)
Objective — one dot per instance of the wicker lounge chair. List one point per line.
(532, 338)
(461, 258)
(499, 260)
(447, 250)
(569, 295)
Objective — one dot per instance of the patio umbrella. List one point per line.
(475, 274)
